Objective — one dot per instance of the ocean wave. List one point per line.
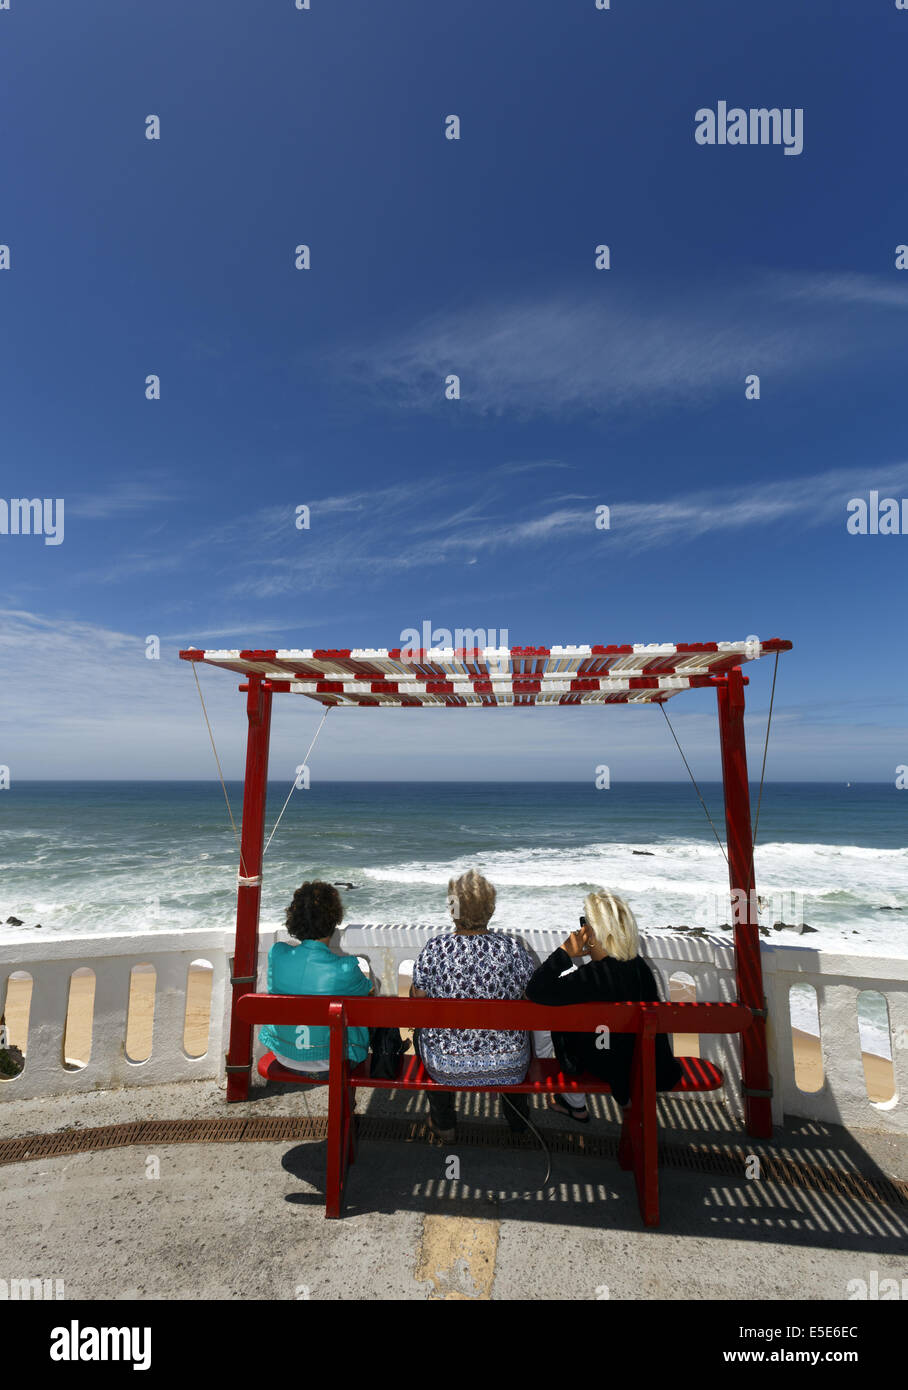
(681, 866)
(668, 879)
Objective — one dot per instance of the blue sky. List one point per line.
(325, 387)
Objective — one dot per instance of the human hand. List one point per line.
(576, 944)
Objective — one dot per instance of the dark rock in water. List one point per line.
(644, 851)
(344, 885)
(886, 908)
(13, 922)
(37, 926)
(696, 931)
(804, 927)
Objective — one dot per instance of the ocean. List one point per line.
(82, 857)
(128, 857)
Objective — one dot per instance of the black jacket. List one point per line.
(614, 981)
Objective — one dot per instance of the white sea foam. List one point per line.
(679, 881)
(838, 889)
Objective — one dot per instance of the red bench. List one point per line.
(637, 1148)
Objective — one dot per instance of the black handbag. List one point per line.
(565, 1049)
(387, 1049)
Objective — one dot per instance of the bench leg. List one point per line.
(647, 1148)
(629, 1144)
(350, 1109)
(334, 1165)
(630, 1123)
(337, 1155)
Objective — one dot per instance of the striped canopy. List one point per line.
(513, 676)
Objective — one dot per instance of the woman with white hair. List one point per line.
(615, 973)
(472, 963)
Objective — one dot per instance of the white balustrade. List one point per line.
(50, 960)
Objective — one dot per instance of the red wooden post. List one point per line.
(755, 1080)
(249, 888)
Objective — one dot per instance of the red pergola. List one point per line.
(488, 678)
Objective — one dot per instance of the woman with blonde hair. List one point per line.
(614, 973)
(472, 963)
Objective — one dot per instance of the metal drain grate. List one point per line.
(217, 1131)
(718, 1159)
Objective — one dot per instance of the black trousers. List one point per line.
(442, 1107)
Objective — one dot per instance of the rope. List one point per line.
(753, 838)
(694, 780)
(772, 696)
(218, 761)
(293, 784)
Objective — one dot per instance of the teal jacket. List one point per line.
(310, 968)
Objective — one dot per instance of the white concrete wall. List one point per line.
(838, 979)
(50, 960)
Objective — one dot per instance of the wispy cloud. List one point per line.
(257, 631)
(456, 518)
(96, 706)
(542, 465)
(819, 499)
(568, 354)
(325, 558)
(848, 288)
(120, 499)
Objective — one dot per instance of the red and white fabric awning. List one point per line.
(492, 676)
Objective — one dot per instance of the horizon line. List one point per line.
(442, 781)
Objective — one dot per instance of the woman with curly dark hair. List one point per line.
(310, 967)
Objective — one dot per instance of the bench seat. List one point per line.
(544, 1076)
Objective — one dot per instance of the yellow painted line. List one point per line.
(457, 1255)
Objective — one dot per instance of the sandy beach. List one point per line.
(808, 1056)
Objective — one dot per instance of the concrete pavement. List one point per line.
(246, 1220)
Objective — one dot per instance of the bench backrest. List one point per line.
(384, 1011)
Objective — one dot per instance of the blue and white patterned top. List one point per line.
(488, 965)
